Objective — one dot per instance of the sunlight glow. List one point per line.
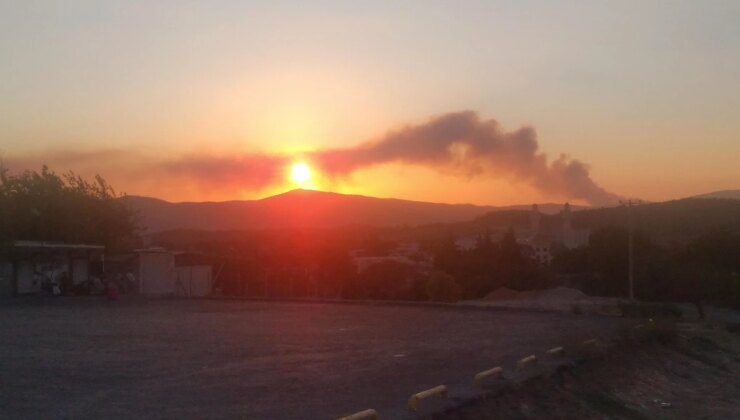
(300, 173)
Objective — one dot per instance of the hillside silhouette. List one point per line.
(689, 216)
(304, 208)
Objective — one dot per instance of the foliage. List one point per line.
(662, 330)
(386, 280)
(45, 206)
(650, 310)
(490, 265)
(704, 267)
(441, 287)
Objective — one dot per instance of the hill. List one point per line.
(727, 194)
(304, 208)
(677, 218)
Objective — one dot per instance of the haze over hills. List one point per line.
(730, 194)
(305, 208)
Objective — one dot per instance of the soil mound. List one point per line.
(556, 294)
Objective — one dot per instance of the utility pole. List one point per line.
(631, 249)
(631, 246)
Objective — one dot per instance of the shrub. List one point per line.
(649, 310)
(441, 287)
(662, 330)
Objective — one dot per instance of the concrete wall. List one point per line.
(7, 277)
(27, 281)
(194, 280)
(157, 273)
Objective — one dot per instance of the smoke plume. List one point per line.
(463, 144)
(458, 144)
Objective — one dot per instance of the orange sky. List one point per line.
(644, 94)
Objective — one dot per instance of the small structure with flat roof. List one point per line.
(29, 267)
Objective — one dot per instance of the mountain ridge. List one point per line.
(724, 194)
(305, 208)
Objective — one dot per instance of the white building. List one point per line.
(542, 241)
(159, 273)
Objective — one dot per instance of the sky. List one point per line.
(490, 102)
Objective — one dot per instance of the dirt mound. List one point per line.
(503, 293)
(562, 293)
(556, 294)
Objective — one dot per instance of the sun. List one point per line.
(300, 173)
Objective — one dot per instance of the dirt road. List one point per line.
(86, 358)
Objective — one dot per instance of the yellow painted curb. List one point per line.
(413, 403)
(523, 363)
(556, 352)
(490, 373)
(369, 414)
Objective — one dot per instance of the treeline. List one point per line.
(42, 205)
(490, 265)
(317, 263)
(675, 219)
(704, 268)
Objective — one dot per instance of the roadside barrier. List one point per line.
(592, 348)
(556, 352)
(523, 363)
(591, 342)
(368, 414)
(413, 403)
(490, 373)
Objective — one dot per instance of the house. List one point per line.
(541, 241)
(29, 267)
(541, 250)
(409, 253)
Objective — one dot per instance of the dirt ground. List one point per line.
(694, 376)
(89, 358)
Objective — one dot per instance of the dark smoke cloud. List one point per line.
(249, 171)
(464, 144)
(460, 144)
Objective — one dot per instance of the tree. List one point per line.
(388, 279)
(517, 270)
(46, 206)
(441, 287)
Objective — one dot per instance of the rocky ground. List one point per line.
(691, 373)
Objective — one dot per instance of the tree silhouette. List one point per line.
(45, 206)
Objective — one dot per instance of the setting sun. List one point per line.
(300, 173)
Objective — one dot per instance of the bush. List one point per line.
(576, 309)
(650, 310)
(662, 330)
(45, 206)
(441, 287)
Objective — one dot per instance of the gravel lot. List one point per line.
(89, 358)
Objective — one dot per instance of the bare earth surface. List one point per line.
(89, 358)
(694, 376)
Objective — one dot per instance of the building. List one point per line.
(541, 250)
(159, 272)
(30, 267)
(409, 253)
(541, 241)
